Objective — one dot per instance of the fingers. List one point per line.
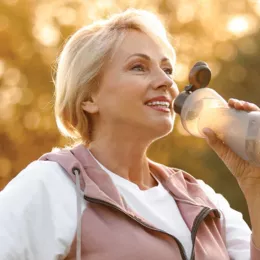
(216, 144)
(210, 135)
(251, 107)
(242, 105)
(235, 103)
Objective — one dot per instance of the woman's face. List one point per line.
(138, 72)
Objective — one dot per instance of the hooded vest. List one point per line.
(108, 229)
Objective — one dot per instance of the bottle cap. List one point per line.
(179, 101)
(199, 77)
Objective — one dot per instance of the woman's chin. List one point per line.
(162, 128)
(165, 123)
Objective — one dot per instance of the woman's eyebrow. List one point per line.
(142, 55)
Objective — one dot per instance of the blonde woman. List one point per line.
(103, 198)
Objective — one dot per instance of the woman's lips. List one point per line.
(160, 108)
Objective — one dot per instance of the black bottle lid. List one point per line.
(199, 77)
(179, 101)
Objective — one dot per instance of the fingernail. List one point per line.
(210, 135)
(207, 131)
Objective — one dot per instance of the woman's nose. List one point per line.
(174, 90)
(165, 82)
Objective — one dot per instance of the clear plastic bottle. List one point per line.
(201, 107)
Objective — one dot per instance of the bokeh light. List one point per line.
(238, 25)
(242, 25)
(47, 35)
(186, 12)
(223, 33)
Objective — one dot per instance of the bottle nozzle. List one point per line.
(200, 76)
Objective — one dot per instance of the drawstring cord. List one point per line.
(76, 171)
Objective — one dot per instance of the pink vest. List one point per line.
(110, 230)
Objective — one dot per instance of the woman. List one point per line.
(103, 198)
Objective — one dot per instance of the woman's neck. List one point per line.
(127, 160)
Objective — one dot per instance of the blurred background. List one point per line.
(223, 33)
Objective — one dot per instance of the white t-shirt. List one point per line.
(155, 205)
(38, 214)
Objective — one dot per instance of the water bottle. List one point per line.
(202, 107)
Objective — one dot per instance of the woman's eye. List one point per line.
(168, 71)
(138, 67)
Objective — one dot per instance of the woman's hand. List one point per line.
(247, 175)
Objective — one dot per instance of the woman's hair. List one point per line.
(82, 59)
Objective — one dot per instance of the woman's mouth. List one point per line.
(163, 106)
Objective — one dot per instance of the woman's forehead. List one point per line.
(136, 42)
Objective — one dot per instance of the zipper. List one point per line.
(202, 215)
(101, 202)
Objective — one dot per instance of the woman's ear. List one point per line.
(90, 106)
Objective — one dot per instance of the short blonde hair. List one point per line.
(82, 59)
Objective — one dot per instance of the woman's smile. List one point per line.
(160, 108)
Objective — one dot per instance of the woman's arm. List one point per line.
(247, 175)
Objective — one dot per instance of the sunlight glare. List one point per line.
(238, 25)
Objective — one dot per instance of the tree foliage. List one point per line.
(223, 33)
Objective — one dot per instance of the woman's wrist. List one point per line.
(253, 203)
